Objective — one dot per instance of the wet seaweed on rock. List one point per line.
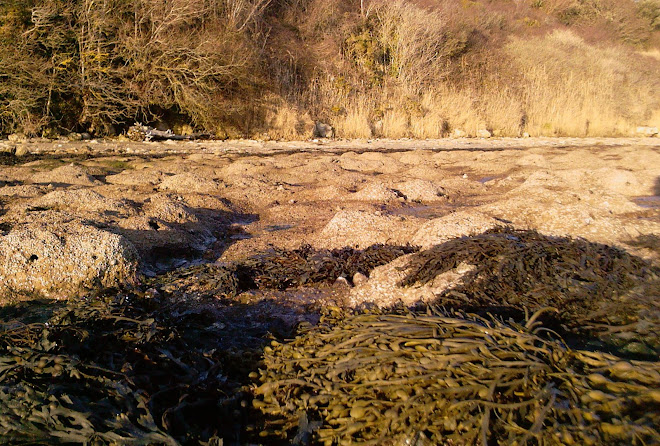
(276, 269)
(523, 269)
(199, 282)
(122, 369)
(383, 378)
(282, 269)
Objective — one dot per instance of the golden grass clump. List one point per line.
(570, 87)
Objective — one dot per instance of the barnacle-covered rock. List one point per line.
(57, 261)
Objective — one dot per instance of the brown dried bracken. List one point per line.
(378, 378)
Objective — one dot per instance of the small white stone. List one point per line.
(483, 133)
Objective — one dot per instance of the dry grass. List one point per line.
(572, 88)
(555, 85)
(417, 68)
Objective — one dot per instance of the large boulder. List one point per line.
(64, 260)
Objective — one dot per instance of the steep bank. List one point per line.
(271, 68)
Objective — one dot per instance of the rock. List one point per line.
(483, 133)
(21, 151)
(375, 192)
(359, 279)
(457, 224)
(85, 136)
(69, 174)
(369, 162)
(322, 130)
(64, 260)
(362, 229)
(166, 209)
(422, 191)
(341, 282)
(189, 182)
(647, 131)
(622, 181)
(458, 133)
(16, 137)
(353, 162)
(383, 290)
(136, 177)
(81, 200)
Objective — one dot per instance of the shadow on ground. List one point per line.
(175, 372)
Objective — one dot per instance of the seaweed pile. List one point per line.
(281, 269)
(516, 270)
(173, 361)
(278, 269)
(125, 369)
(451, 379)
(199, 282)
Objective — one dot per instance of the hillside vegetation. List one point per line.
(376, 68)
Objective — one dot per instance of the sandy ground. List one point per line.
(180, 202)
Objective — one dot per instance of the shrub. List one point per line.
(93, 65)
(419, 68)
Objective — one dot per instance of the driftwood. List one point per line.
(139, 132)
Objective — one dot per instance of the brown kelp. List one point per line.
(277, 269)
(453, 379)
(123, 368)
(522, 269)
(281, 269)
